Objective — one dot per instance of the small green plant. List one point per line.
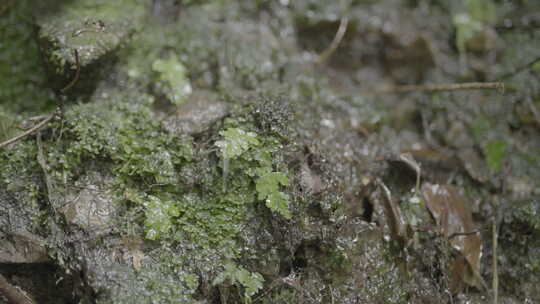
(267, 186)
(250, 281)
(235, 142)
(495, 152)
(159, 215)
(172, 80)
(477, 15)
(240, 145)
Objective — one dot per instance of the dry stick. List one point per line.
(521, 68)
(50, 116)
(43, 164)
(12, 293)
(456, 234)
(495, 282)
(77, 72)
(335, 43)
(29, 132)
(436, 88)
(33, 119)
(533, 109)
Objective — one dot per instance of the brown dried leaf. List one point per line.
(132, 251)
(454, 219)
(393, 214)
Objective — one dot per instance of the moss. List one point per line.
(246, 194)
(188, 43)
(123, 130)
(172, 80)
(22, 77)
(519, 244)
(20, 181)
(170, 278)
(7, 124)
(92, 27)
(80, 40)
(202, 218)
(252, 282)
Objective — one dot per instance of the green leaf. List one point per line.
(235, 142)
(251, 281)
(158, 217)
(268, 183)
(279, 202)
(478, 14)
(495, 151)
(480, 127)
(466, 28)
(172, 80)
(481, 10)
(267, 186)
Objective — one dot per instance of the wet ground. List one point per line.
(270, 152)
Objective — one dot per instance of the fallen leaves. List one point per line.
(432, 207)
(454, 221)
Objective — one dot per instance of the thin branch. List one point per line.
(43, 164)
(520, 69)
(495, 282)
(335, 43)
(456, 234)
(533, 109)
(436, 88)
(29, 132)
(392, 213)
(77, 72)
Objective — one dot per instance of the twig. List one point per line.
(335, 43)
(495, 282)
(29, 132)
(392, 213)
(520, 69)
(436, 88)
(456, 234)
(49, 117)
(43, 164)
(273, 285)
(24, 125)
(77, 72)
(13, 294)
(533, 109)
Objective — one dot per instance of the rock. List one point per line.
(89, 205)
(197, 115)
(22, 247)
(79, 41)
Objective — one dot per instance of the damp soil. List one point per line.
(270, 151)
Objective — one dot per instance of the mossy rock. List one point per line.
(79, 43)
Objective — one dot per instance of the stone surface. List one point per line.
(197, 115)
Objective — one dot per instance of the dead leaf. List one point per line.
(133, 250)
(454, 221)
(393, 214)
